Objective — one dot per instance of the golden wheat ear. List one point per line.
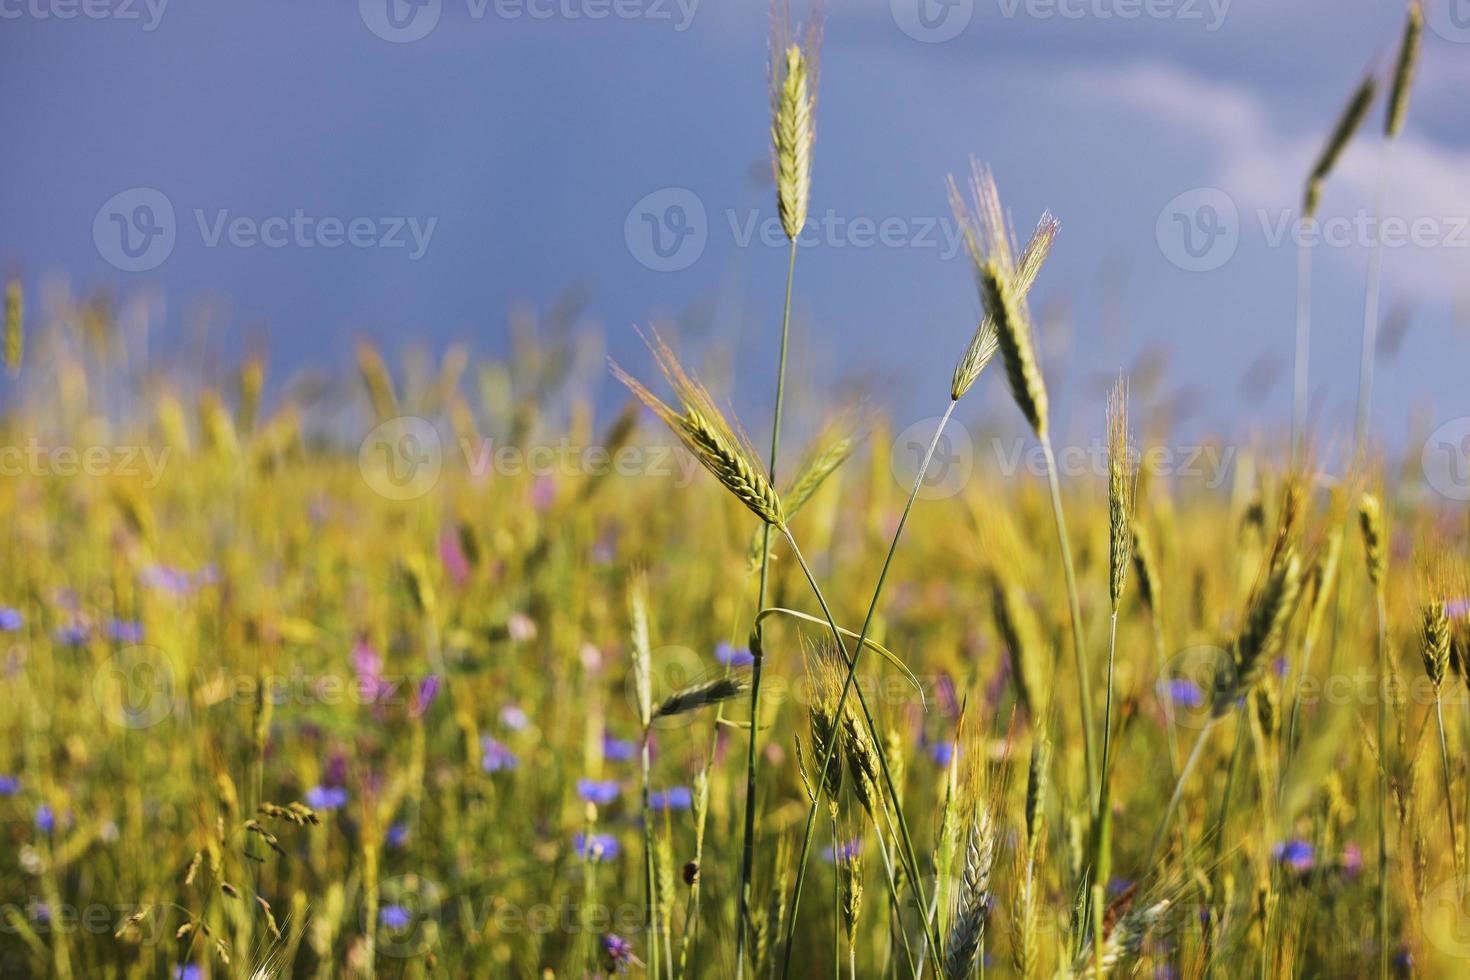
(702, 428)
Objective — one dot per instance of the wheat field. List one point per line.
(435, 667)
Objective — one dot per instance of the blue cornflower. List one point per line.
(326, 797)
(10, 620)
(596, 847)
(496, 756)
(733, 656)
(599, 791)
(394, 916)
(673, 798)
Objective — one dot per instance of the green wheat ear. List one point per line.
(1003, 285)
(14, 326)
(1347, 124)
(699, 424)
(793, 81)
(1403, 72)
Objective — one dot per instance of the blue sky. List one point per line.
(504, 157)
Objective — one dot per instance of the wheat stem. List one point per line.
(747, 860)
(1084, 692)
(908, 853)
(1382, 648)
(1303, 345)
(858, 649)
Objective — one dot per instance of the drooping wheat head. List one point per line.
(1403, 70)
(1003, 286)
(14, 326)
(1265, 624)
(1352, 117)
(1370, 523)
(702, 428)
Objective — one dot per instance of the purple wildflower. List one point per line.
(367, 663)
(188, 971)
(618, 749)
(596, 847)
(9, 785)
(497, 757)
(846, 851)
(424, 697)
(326, 797)
(452, 556)
(10, 620)
(619, 952)
(398, 835)
(599, 791)
(125, 631)
(45, 819)
(1296, 854)
(1185, 693)
(941, 752)
(733, 656)
(394, 916)
(673, 798)
(514, 718)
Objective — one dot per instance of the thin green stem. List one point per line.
(1382, 785)
(1084, 691)
(908, 853)
(648, 875)
(1370, 310)
(747, 860)
(862, 638)
(1449, 799)
(1303, 348)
